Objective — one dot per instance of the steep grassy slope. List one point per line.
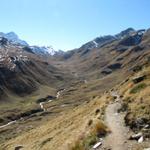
(136, 99)
(25, 78)
(68, 125)
(87, 75)
(119, 54)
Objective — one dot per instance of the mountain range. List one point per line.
(43, 50)
(72, 100)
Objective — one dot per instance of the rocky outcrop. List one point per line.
(115, 66)
(138, 79)
(134, 122)
(131, 40)
(49, 97)
(3, 41)
(106, 71)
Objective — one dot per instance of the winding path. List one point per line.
(41, 106)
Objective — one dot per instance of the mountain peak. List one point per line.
(12, 34)
(13, 38)
(45, 50)
(126, 32)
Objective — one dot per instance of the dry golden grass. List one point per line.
(99, 129)
(61, 130)
(85, 141)
(136, 96)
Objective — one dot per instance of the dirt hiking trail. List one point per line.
(117, 139)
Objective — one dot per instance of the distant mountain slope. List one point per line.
(95, 59)
(110, 54)
(45, 50)
(82, 83)
(22, 72)
(39, 50)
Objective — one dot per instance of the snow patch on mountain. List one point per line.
(96, 44)
(45, 50)
(13, 38)
(39, 50)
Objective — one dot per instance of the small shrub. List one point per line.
(97, 111)
(99, 129)
(89, 141)
(90, 122)
(77, 146)
(138, 88)
(85, 143)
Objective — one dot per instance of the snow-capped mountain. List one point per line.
(134, 35)
(98, 42)
(39, 50)
(43, 50)
(13, 38)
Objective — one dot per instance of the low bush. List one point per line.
(85, 143)
(97, 130)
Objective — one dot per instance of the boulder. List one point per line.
(136, 136)
(141, 139)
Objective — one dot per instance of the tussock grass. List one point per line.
(97, 129)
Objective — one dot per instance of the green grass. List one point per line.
(86, 143)
(90, 140)
(138, 88)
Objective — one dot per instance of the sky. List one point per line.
(67, 24)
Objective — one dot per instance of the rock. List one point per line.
(138, 79)
(141, 139)
(116, 114)
(3, 41)
(115, 66)
(146, 148)
(146, 126)
(136, 136)
(106, 71)
(18, 147)
(135, 123)
(140, 122)
(97, 145)
(131, 40)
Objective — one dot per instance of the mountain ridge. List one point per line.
(60, 101)
(40, 50)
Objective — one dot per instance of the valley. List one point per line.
(73, 100)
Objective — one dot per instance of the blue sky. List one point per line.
(67, 24)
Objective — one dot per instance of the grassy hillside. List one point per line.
(75, 119)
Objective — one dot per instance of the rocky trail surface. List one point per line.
(118, 138)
